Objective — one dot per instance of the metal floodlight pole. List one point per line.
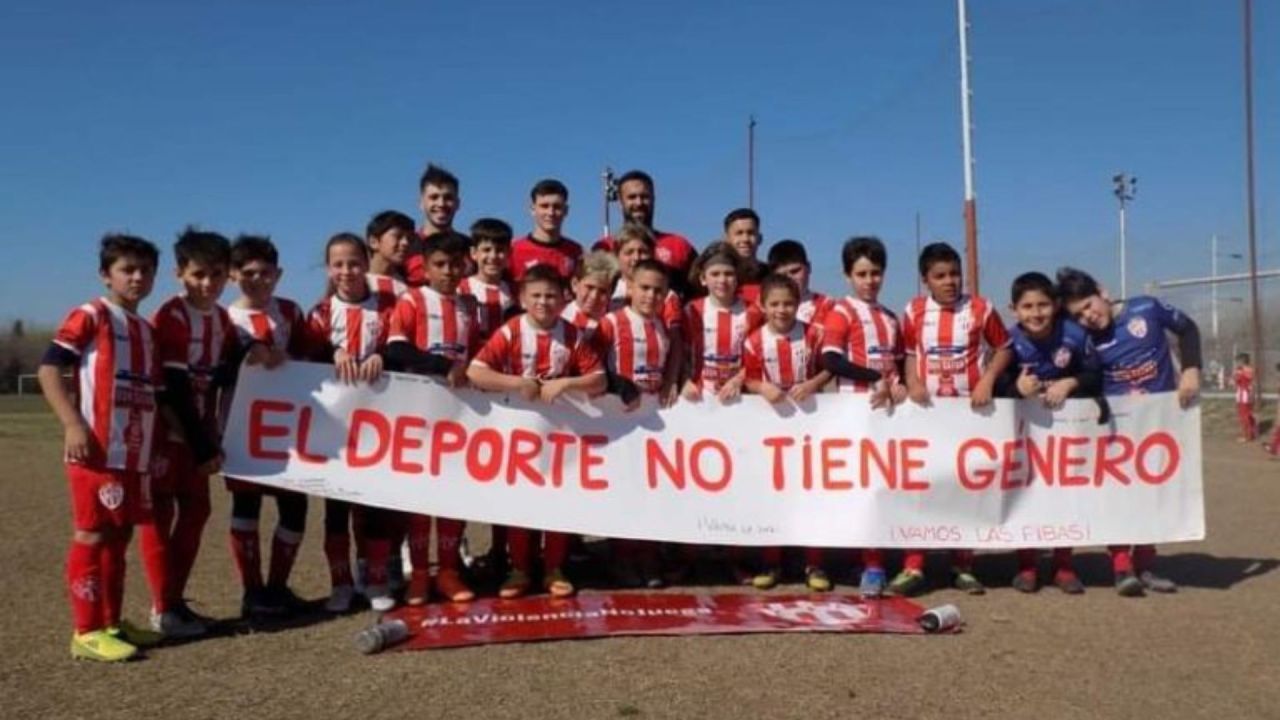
(1125, 188)
(1213, 291)
(1256, 308)
(751, 162)
(610, 194)
(970, 204)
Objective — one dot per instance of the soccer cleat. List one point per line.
(1155, 583)
(626, 577)
(134, 635)
(655, 582)
(1068, 582)
(380, 598)
(254, 604)
(283, 601)
(1026, 581)
(362, 567)
(766, 579)
(177, 625)
(907, 583)
(419, 588)
(558, 585)
(101, 646)
(516, 585)
(966, 581)
(872, 584)
(340, 599)
(816, 579)
(453, 587)
(1128, 585)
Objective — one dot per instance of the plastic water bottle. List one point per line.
(940, 619)
(379, 637)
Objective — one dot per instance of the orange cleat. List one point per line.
(451, 585)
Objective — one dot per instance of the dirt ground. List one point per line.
(1212, 650)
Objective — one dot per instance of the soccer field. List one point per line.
(1209, 651)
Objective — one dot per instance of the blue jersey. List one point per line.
(1134, 351)
(1064, 353)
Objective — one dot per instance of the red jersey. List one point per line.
(387, 288)
(1243, 378)
(492, 303)
(670, 249)
(521, 348)
(865, 333)
(436, 323)
(637, 347)
(573, 314)
(750, 293)
(672, 315)
(198, 342)
(715, 336)
(116, 377)
(280, 324)
(785, 359)
(526, 252)
(813, 308)
(948, 343)
(358, 329)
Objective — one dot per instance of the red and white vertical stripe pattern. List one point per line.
(573, 314)
(278, 325)
(948, 343)
(358, 329)
(436, 323)
(715, 336)
(197, 341)
(116, 377)
(865, 333)
(521, 348)
(783, 359)
(387, 289)
(672, 316)
(813, 309)
(492, 303)
(637, 347)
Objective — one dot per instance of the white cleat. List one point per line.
(173, 625)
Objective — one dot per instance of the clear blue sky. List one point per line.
(238, 116)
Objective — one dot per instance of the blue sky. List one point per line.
(145, 116)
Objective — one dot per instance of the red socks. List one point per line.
(872, 559)
(155, 563)
(448, 537)
(284, 550)
(913, 560)
(244, 552)
(337, 550)
(84, 580)
(111, 559)
(184, 543)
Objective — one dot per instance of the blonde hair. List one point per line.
(633, 232)
(599, 263)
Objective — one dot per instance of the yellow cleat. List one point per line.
(101, 646)
(135, 635)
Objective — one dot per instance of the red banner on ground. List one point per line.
(615, 614)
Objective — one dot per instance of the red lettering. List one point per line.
(588, 460)
(259, 430)
(559, 442)
(887, 463)
(1066, 461)
(1149, 444)
(304, 432)
(360, 418)
(1011, 465)
(909, 463)
(695, 464)
(806, 475)
(484, 466)
(1040, 464)
(1105, 465)
(402, 441)
(831, 464)
(525, 446)
(654, 456)
(779, 468)
(446, 436)
(981, 478)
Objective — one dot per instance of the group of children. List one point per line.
(539, 317)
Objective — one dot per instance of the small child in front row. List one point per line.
(108, 440)
(540, 356)
(717, 325)
(592, 287)
(947, 334)
(1135, 357)
(1053, 360)
(1242, 377)
(781, 361)
(490, 248)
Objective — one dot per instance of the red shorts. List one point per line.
(105, 498)
(178, 476)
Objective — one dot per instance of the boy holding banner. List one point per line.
(948, 335)
(540, 356)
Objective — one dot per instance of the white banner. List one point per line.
(830, 472)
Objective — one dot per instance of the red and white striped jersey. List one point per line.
(867, 334)
(280, 324)
(492, 303)
(359, 329)
(1243, 379)
(197, 341)
(521, 348)
(387, 289)
(436, 323)
(784, 359)
(813, 309)
(573, 314)
(949, 343)
(116, 377)
(671, 313)
(715, 335)
(637, 347)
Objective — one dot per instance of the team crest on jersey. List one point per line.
(1062, 357)
(1137, 327)
(111, 495)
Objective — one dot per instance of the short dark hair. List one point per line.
(491, 230)
(718, 253)
(438, 176)
(632, 175)
(777, 281)
(786, 252)
(549, 186)
(1076, 284)
(1033, 282)
(741, 214)
(388, 220)
(207, 248)
(649, 264)
(1243, 357)
(114, 246)
(935, 253)
(864, 246)
(542, 273)
(248, 248)
(449, 243)
(345, 238)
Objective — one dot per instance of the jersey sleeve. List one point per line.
(993, 330)
(1170, 317)
(585, 358)
(752, 358)
(671, 313)
(835, 336)
(755, 318)
(297, 346)
(173, 336)
(495, 351)
(813, 339)
(404, 318)
(910, 333)
(317, 334)
(77, 331)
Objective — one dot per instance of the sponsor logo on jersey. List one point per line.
(1137, 327)
(1062, 357)
(111, 495)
